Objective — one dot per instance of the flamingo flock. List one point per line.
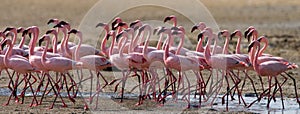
(47, 68)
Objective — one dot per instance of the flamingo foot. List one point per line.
(64, 105)
(86, 107)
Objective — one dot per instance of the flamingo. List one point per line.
(93, 62)
(60, 64)
(19, 65)
(220, 61)
(178, 62)
(119, 60)
(270, 69)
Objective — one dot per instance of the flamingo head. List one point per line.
(104, 25)
(200, 26)
(65, 24)
(144, 27)
(156, 30)
(121, 24)
(170, 18)
(53, 20)
(44, 38)
(163, 30)
(51, 31)
(248, 30)
(136, 24)
(223, 33)
(253, 44)
(111, 33)
(235, 33)
(179, 28)
(121, 34)
(11, 29)
(251, 33)
(200, 36)
(20, 29)
(115, 22)
(262, 39)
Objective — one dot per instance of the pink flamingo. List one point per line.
(178, 62)
(60, 64)
(270, 69)
(19, 65)
(93, 62)
(220, 61)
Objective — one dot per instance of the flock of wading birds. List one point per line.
(130, 52)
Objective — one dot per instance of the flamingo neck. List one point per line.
(135, 40)
(112, 45)
(15, 37)
(45, 52)
(199, 47)
(225, 48)
(131, 47)
(158, 46)
(263, 48)
(67, 49)
(33, 41)
(145, 49)
(22, 42)
(123, 45)
(238, 45)
(77, 48)
(54, 42)
(255, 53)
(180, 44)
(214, 50)
(166, 53)
(103, 44)
(207, 53)
(8, 54)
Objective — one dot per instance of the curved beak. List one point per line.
(100, 25)
(74, 31)
(232, 35)
(200, 36)
(7, 29)
(41, 41)
(195, 27)
(3, 44)
(167, 19)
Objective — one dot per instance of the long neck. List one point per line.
(131, 48)
(199, 47)
(145, 49)
(77, 48)
(14, 38)
(263, 48)
(112, 45)
(166, 53)
(8, 54)
(54, 43)
(45, 51)
(135, 41)
(158, 46)
(180, 44)
(255, 63)
(207, 53)
(33, 42)
(123, 45)
(63, 40)
(238, 45)
(225, 48)
(22, 42)
(68, 51)
(214, 50)
(103, 44)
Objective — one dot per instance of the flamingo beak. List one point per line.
(119, 36)
(167, 19)
(250, 46)
(73, 31)
(232, 35)
(100, 25)
(41, 41)
(113, 24)
(200, 36)
(20, 29)
(246, 33)
(194, 28)
(107, 36)
(24, 32)
(249, 35)
(49, 31)
(220, 34)
(50, 21)
(7, 29)
(131, 25)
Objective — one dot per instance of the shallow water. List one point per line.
(291, 105)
